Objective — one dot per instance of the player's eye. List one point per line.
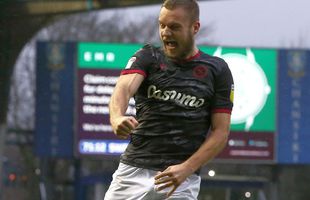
(175, 27)
(161, 25)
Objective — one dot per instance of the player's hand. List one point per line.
(172, 177)
(123, 126)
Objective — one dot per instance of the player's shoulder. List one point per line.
(214, 60)
(148, 49)
(148, 52)
(217, 63)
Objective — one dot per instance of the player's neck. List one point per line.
(193, 53)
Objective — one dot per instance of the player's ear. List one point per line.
(196, 26)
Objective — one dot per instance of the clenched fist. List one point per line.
(123, 126)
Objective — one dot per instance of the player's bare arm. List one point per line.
(174, 175)
(125, 88)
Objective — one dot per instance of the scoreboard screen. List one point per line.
(99, 67)
(253, 118)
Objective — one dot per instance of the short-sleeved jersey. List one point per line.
(174, 105)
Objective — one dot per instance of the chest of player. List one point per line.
(189, 81)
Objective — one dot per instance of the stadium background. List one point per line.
(45, 163)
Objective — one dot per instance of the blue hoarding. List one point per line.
(293, 109)
(54, 99)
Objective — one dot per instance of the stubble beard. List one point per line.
(183, 50)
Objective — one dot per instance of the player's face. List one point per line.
(177, 31)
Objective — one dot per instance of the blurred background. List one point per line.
(59, 62)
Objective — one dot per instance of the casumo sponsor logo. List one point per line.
(178, 97)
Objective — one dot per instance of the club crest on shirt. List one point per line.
(130, 62)
(163, 66)
(200, 71)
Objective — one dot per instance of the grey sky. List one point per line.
(268, 23)
(256, 23)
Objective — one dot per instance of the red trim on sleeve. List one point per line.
(222, 110)
(133, 71)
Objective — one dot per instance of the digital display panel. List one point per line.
(99, 67)
(270, 119)
(253, 117)
(253, 120)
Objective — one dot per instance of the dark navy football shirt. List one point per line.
(174, 105)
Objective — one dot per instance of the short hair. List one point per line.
(189, 5)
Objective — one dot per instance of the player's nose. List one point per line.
(166, 32)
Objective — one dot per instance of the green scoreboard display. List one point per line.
(253, 117)
(254, 72)
(253, 120)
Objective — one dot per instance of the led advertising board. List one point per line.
(99, 67)
(54, 105)
(253, 117)
(294, 113)
(254, 114)
(270, 119)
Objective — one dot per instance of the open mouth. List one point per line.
(170, 44)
